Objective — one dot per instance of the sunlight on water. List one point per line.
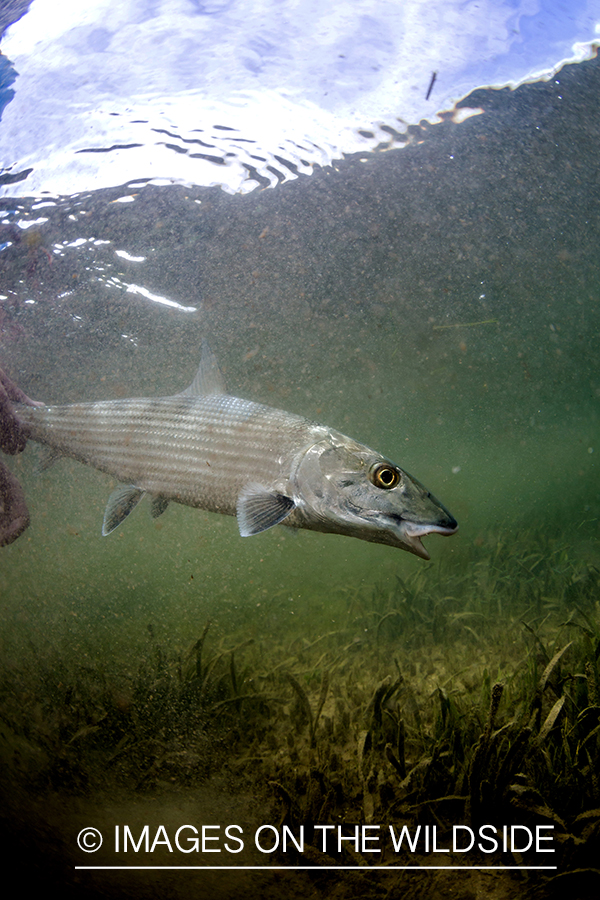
(247, 94)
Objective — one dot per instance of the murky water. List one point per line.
(440, 303)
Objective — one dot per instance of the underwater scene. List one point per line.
(329, 691)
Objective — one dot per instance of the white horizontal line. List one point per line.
(330, 868)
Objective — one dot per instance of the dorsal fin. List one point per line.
(208, 380)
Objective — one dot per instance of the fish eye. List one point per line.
(384, 476)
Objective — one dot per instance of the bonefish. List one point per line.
(209, 450)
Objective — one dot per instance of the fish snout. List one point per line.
(447, 526)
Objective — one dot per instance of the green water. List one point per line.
(440, 303)
(349, 297)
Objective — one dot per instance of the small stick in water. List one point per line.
(431, 84)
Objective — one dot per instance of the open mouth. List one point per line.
(411, 534)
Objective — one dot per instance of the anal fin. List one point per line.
(158, 505)
(47, 457)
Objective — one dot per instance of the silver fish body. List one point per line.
(206, 449)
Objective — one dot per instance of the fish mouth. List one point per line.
(410, 534)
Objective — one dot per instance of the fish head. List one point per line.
(345, 487)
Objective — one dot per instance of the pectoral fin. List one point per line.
(121, 502)
(259, 508)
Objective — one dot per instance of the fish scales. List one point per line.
(200, 451)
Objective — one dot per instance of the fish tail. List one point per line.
(14, 515)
